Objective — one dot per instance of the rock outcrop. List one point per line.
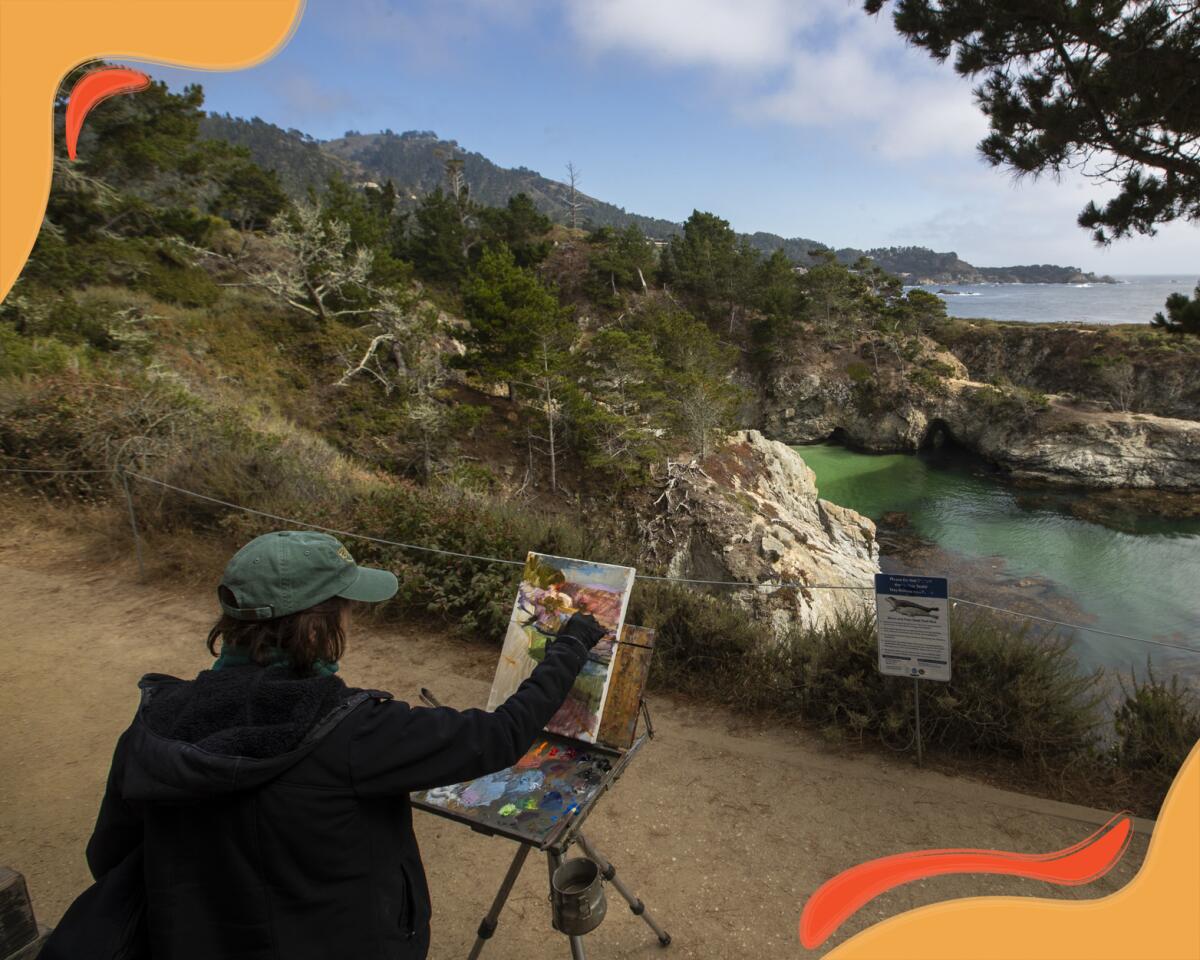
(751, 512)
(1051, 438)
(1077, 443)
(1144, 371)
(1091, 407)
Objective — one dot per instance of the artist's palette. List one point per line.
(533, 800)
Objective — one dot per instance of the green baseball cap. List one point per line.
(291, 570)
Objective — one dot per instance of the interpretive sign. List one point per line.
(913, 617)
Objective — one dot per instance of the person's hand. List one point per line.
(584, 628)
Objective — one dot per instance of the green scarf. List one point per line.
(238, 657)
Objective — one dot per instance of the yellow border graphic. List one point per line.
(1156, 916)
(41, 40)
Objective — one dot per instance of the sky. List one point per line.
(802, 119)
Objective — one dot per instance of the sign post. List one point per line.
(912, 615)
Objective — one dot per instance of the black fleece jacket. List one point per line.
(273, 810)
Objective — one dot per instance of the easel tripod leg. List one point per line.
(609, 872)
(553, 862)
(487, 926)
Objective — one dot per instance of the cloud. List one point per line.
(818, 65)
(744, 35)
(999, 221)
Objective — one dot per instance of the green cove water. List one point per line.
(1144, 583)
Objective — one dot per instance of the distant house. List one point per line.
(799, 270)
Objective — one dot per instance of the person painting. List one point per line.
(268, 801)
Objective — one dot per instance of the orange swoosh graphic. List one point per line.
(836, 900)
(91, 89)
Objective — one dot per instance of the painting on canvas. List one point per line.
(551, 589)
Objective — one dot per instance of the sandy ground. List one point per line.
(723, 828)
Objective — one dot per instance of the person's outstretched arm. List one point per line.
(396, 748)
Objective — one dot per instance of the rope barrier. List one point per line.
(317, 526)
(1075, 626)
(742, 584)
(27, 470)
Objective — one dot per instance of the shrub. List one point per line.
(176, 283)
(1011, 695)
(703, 645)
(1157, 724)
(928, 380)
(858, 371)
(32, 356)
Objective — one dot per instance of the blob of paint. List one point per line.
(484, 790)
(507, 810)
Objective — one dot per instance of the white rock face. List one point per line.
(1069, 444)
(751, 512)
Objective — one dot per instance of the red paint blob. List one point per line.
(94, 87)
(836, 900)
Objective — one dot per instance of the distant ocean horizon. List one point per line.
(1134, 299)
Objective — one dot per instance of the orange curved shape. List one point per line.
(836, 900)
(91, 89)
(1154, 915)
(41, 40)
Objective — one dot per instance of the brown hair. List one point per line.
(318, 633)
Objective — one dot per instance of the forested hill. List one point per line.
(415, 161)
(298, 159)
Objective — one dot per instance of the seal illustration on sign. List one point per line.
(909, 609)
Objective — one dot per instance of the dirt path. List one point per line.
(723, 829)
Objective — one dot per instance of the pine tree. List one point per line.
(1111, 88)
(1183, 314)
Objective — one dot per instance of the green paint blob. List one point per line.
(507, 810)
(530, 803)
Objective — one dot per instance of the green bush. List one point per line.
(1157, 725)
(858, 371)
(928, 380)
(176, 283)
(32, 356)
(1011, 695)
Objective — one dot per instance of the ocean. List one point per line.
(1135, 299)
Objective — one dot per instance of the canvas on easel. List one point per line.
(551, 590)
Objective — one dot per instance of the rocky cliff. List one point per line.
(1096, 408)
(751, 512)
(1137, 368)
(1044, 437)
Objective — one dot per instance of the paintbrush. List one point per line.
(427, 697)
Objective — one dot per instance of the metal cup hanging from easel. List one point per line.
(577, 897)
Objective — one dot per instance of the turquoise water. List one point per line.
(1144, 583)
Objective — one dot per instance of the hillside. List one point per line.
(299, 160)
(415, 162)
